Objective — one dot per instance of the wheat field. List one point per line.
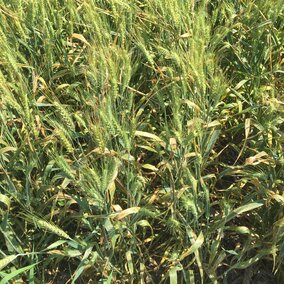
(141, 141)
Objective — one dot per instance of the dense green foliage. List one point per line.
(141, 141)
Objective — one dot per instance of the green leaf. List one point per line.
(17, 272)
(193, 248)
(55, 244)
(173, 276)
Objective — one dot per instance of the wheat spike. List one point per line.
(43, 224)
(67, 118)
(64, 166)
(65, 141)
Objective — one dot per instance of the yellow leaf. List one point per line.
(173, 144)
(81, 38)
(150, 167)
(148, 135)
(212, 124)
(124, 213)
(62, 86)
(7, 149)
(5, 200)
(185, 35)
(192, 105)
